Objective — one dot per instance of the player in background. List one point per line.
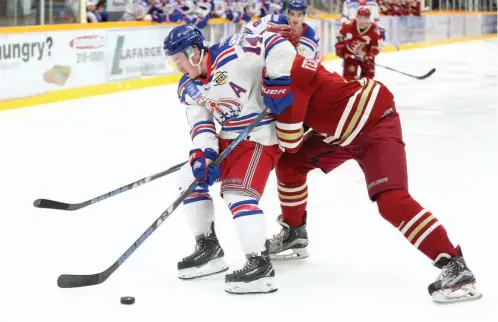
(358, 43)
(296, 13)
(350, 9)
(223, 83)
(356, 120)
(95, 11)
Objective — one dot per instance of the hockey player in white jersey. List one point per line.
(296, 12)
(224, 83)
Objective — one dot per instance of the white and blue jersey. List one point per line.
(350, 7)
(231, 92)
(308, 43)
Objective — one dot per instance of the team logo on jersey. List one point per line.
(349, 36)
(201, 100)
(220, 78)
(224, 109)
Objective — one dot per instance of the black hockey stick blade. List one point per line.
(432, 71)
(52, 204)
(70, 281)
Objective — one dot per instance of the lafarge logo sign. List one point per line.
(146, 60)
(87, 42)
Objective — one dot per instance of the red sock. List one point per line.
(293, 200)
(417, 224)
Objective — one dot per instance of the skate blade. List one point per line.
(465, 293)
(262, 286)
(212, 267)
(296, 253)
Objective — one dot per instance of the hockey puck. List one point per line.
(128, 300)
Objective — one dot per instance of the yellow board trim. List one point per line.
(108, 88)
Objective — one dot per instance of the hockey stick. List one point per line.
(69, 281)
(429, 73)
(52, 204)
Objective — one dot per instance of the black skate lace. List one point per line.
(278, 238)
(448, 270)
(198, 246)
(250, 264)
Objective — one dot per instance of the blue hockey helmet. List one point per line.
(183, 38)
(298, 5)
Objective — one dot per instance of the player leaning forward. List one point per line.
(356, 120)
(223, 83)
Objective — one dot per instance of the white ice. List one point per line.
(360, 269)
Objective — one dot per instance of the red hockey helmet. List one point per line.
(363, 12)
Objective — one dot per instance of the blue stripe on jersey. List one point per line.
(204, 131)
(273, 45)
(245, 117)
(226, 60)
(200, 123)
(240, 128)
(267, 41)
(307, 45)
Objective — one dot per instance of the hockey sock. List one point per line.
(199, 209)
(249, 220)
(293, 200)
(417, 224)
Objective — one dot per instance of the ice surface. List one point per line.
(360, 269)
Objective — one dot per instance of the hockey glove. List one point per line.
(287, 32)
(277, 94)
(382, 32)
(203, 172)
(340, 49)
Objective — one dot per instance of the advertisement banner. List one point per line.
(78, 59)
(136, 53)
(457, 26)
(411, 29)
(23, 60)
(489, 24)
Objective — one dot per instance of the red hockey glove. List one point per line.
(340, 49)
(369, 59)
(287, 32)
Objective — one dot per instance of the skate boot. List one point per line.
(257, 275)
(455, 283)
(290, 242)
(207, 259)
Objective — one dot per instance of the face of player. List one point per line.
(183, 65)
(296, 18)
(362, 21)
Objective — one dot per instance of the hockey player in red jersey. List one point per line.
(358, 42)
(356, 120)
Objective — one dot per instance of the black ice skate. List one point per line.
(207, 259)
(257, 276)
(290, 242)
(455, 283)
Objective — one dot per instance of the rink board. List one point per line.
(63, 62)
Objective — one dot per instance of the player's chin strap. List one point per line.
(191, 54)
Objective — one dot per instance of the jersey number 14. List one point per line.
(253, 45)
